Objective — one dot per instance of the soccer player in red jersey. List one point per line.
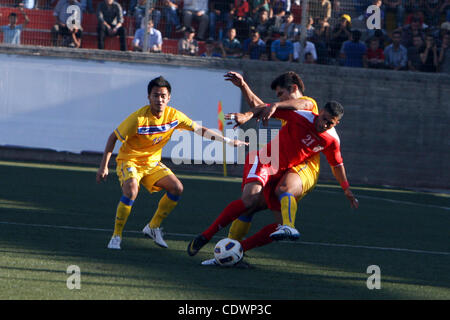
(304, 135)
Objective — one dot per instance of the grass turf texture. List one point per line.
(53, 216)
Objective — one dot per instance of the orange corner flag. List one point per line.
(221, 117)
(221, 122)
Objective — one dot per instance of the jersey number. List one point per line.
(308, 141)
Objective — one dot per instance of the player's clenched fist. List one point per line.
(102, 174)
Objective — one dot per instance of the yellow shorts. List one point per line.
(309, 175)
(147, 175)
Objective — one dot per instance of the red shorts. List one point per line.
(255, 171)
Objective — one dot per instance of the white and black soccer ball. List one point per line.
(228, 252)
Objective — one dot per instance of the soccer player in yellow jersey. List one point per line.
(143, 135)
(295, 183)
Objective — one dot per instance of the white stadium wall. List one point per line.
(73, 105)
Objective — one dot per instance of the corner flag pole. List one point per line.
(221, 122)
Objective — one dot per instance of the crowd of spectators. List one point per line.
(414, 34)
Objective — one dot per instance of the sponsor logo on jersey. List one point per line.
(157, 129)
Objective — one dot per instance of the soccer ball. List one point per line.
(228, 252)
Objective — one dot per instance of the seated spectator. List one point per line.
(353, 51)
(320, 39)
(417, 13)
(395, 54)
(198, 10)
(12, 31)
(411, 30)
(71, 33)
(188, 45)
(263, 25)
(170, 10)
(300, 50)
(414, 61)
(429, 55)
(398, 8)
(282, 49)
(240, 14)
(320, 9)
(278, 9)
(340, 33)
(154, 39)
(256, 6)
(232, 45)
(374, 55)
(444, 54)
(289, 27)
(139, 13)
(310, 29)
(381, 36)
(432, 12)
(110, 23)
(445, 9)
(254, 47)
(219, 11)
(213, 49)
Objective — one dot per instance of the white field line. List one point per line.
(391, 200)
(193, 235)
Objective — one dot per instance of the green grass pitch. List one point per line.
(54, 216)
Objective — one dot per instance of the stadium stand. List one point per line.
(37, 32)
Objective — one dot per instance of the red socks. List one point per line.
(261, 238)
(230, 213)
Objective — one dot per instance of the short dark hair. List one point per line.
(159, 82)
(286, 80)
(335, 109)
(13, 14)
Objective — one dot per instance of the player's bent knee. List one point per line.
(177, 189)
(130, 189)
(297, 191)
(249, 200)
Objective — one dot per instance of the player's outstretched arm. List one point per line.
(292, 104)
(213, 135)
(103, 172)
(339, 174)
(241, 118)
(238, 80)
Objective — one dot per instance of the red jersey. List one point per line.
(375, 54)
(242, 8)
(299, 140)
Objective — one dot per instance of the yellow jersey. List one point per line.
(314, 161)
(143, 135)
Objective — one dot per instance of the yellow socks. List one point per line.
(122, 213)
(288, 209)
(167, 203)
(239, 228)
